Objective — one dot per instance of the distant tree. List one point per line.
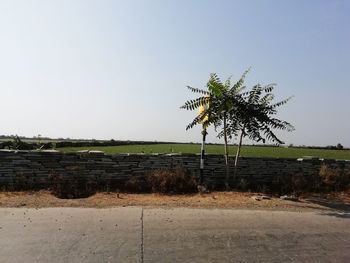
(18, 144)
(340, 147)
(40, 145)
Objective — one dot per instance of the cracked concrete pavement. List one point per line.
(134, 234)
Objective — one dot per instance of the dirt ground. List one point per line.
(338, 201)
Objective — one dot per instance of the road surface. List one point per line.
(132, 234)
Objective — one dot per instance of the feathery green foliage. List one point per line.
(230, 111)
(223, 99)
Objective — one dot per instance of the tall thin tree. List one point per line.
(256, 119)
(222, 98)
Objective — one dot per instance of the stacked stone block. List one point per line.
(33, 169)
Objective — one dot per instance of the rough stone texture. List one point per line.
(33, 169)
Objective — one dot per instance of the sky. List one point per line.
(119, 69)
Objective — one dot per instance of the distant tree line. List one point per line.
(18, 144)
(26, 143)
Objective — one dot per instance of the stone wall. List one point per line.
(32, 169)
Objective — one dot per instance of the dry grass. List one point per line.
(211, 200)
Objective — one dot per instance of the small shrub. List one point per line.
(109, 184)
(137, 184)
(299, 183)
(243, 184)
(328, 175)
(171, 181)
(72, 186)
(266, 189)
(334, 179)
(283, 184)
(20, 182)
(291, 183)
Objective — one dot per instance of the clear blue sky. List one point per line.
(118, 69)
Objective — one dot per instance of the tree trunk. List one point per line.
(226, 156)
(204, 133)
(238, 153)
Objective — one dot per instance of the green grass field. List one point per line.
(247, 151)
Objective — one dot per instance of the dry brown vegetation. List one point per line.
(237, 200)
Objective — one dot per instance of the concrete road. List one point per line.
(70, 235)
(172, 235)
